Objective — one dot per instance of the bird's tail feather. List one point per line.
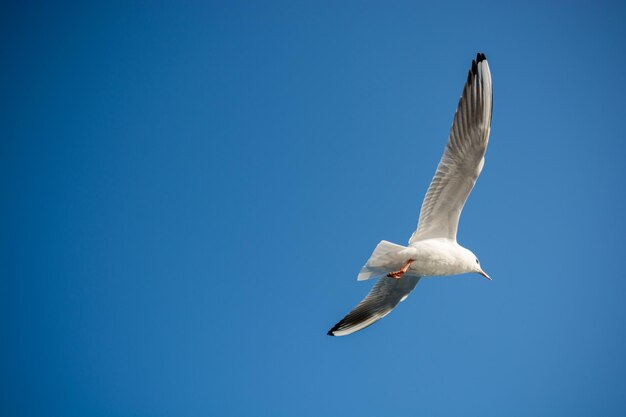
(379, 261)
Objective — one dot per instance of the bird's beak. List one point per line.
(484, 274)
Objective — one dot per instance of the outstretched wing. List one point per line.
(462, 159)
(383, 297)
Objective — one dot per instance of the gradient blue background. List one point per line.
(189, 190)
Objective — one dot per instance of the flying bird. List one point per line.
(433, 249)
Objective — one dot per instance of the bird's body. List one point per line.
(431, 257)
(433, 249)
(440, 257)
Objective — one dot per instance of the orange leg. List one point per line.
(398, 274)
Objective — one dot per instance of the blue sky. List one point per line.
(188, 192)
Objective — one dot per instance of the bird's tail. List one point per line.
(379, 262)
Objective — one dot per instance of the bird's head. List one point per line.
(474, 265)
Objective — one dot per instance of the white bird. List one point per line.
(433, 249)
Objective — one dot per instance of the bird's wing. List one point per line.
(462, 159)
(383, 297)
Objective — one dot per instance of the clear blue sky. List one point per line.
(188, 192)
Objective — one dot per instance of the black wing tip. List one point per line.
(330, 333)
(474, 67)
(480, 57)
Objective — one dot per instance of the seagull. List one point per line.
(433, 249)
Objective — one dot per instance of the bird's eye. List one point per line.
(477, 261)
